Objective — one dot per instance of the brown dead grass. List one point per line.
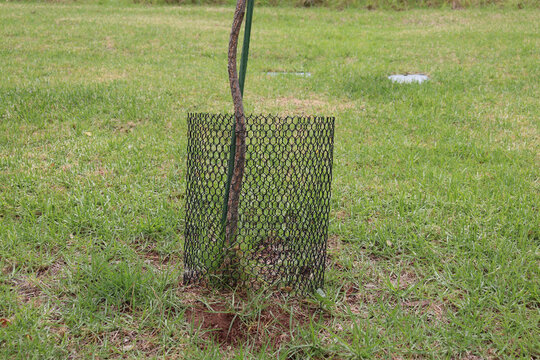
(313, 105)
(154, 258)
(107, 75)
(109, 43)
(127, 340)
(126, 127)
(121, 342)
(151, 256)
(29, 287)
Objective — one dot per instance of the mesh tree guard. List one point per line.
(284, 203)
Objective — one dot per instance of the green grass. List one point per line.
(434, 230)
(334, 4)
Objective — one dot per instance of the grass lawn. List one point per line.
(434, 228)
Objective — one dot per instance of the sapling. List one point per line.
(232, 252)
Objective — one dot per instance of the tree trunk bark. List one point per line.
(239, 128)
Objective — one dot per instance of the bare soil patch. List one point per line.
(270, 323)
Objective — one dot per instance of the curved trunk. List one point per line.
(239, 128)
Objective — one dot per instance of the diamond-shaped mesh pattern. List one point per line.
(284, 203)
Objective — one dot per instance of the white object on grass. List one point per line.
(407, 79)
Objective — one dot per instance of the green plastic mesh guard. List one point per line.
(284, 203)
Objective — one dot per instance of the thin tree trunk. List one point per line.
(240, 131)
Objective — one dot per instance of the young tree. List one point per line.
(230, 261)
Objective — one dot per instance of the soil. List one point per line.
(272, 325)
